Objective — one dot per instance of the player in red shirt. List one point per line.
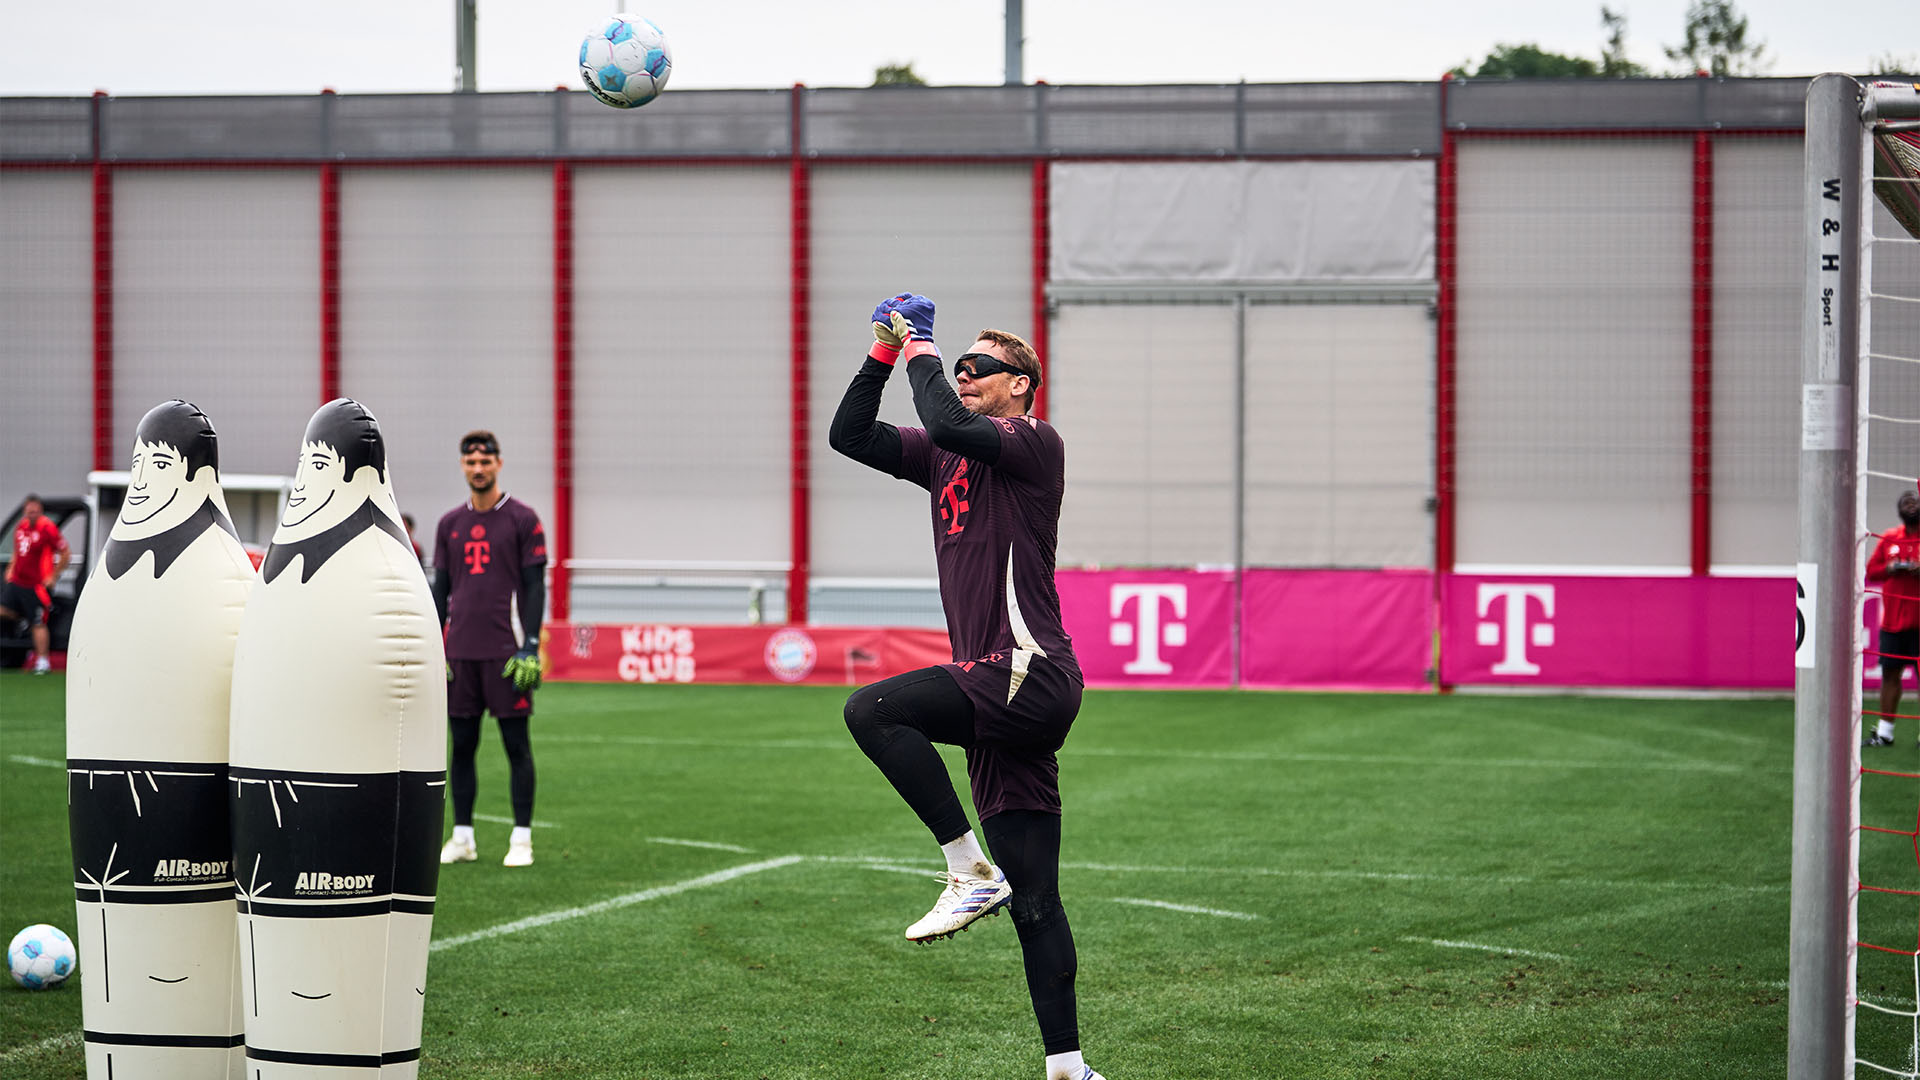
(489, 559)
(995, 475)
(40, 556)
(1895, 569)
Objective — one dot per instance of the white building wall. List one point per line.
(46, 350)
(959, 234)
(1574, 353)
(682, 376)
(446, 324)
(216, 286)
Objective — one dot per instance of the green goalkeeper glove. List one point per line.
(524, 667)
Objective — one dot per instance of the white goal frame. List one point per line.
(1835, 314)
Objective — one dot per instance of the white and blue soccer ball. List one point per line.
(625, 61)
(41, 957)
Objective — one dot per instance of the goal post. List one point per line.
(1835, 311)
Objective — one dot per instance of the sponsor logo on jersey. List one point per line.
(953, 500)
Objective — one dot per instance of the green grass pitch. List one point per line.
(1260, 885)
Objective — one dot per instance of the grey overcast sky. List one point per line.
(132, 47)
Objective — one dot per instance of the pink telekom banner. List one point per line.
(1617, 631)
(1150, 628)
(658, 653)
(1337, 629)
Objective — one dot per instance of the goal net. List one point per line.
(1854, 976)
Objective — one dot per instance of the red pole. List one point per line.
(561, 539)
(329, 280)
(801, 491)
(1445, 213)
(102, 295)
(1041, 196)
(1702, 352)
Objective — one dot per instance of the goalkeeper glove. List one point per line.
(912, 317)
(524, 667)
(886, 339)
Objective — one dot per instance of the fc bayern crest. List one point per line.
(790, 655)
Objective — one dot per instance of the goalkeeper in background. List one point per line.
(1895, 568)
(489, 557)
(996, 475)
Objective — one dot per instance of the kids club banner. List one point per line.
(662, 653)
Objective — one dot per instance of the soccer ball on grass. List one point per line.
(41, 957)
(625, 61)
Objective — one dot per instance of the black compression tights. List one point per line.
(460, 772)
(897, 721)
(1026, 846)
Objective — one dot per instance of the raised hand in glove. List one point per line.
(886, 339)
(524, 667)
(911, 318)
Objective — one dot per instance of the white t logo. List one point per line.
(1146, 631)
(1516, 634)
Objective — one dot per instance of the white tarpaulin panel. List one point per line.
(1242, 221)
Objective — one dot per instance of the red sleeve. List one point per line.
(1877, 565)
(59, 538)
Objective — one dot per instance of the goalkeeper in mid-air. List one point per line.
(995, 474)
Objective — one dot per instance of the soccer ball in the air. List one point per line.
(41, 956)
(625, 61)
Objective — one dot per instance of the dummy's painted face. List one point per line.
(160, 494)
(316, 488)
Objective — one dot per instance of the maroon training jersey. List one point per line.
(995, 528)
(484, 554)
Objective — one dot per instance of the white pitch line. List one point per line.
(708, 844)
(23, 759)
(46, 1045)
(838, 745)
(1445, 944)
(894, 868)
(498, 820)
(1188, 908)
(534, 922)
(1451, 879)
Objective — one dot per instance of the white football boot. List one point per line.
(966, 900)
(458, 850)
(519, 854)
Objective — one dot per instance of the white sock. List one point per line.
(1886, 729)
(1067, 1066)
(522, 834)
(464, 834)
(965, 857)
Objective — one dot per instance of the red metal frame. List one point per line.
(560, 540)
(102, 298)
(1702, 353)
(329, 282)
(1446, 210)
(800, 495)
(1042, 194)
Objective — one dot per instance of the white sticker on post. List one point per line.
(1806, 599)
(1823, 417)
